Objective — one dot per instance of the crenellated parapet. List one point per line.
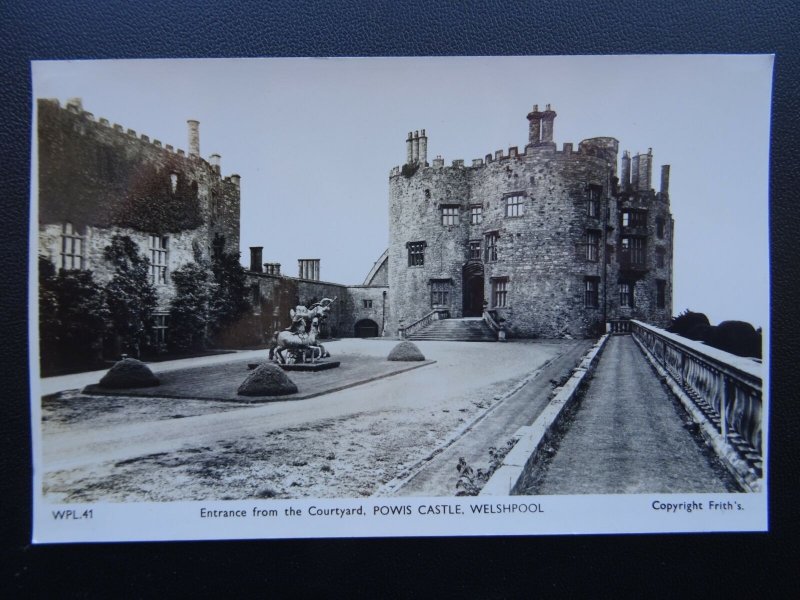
(87, 119)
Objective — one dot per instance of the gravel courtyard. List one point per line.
(342, 444)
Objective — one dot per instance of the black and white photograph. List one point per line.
(366, 297)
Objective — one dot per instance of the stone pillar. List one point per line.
(194, 137)
(255, 258)
(423, 149)
(548, 116)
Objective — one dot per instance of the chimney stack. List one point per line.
(645, 170)
(423, 149)
(665, 180)
(535, 126)
(255, 258)
(409, 151)
(194, 137)
(415, 148)
(635, 172)
(625, 177)
(548, 116)
(308, 268)
(214, 161)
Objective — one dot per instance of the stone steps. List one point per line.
(456, 330)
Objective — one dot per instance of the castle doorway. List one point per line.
(472, 286)
(366, 328)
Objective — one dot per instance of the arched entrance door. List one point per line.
(472, 279)
(366, 328)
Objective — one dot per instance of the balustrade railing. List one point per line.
(489, 320)
(619, 326)
(432, 316)
(725, 387)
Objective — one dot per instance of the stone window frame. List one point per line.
(499, 292)
(160, 330)
(450, 214)
(475, 214)
(490, 239)
(514, 204)
(367, 302)
(660, 227)
(416, 253)
(72, 248)
(593, 245)
(593, 196)
(173, 181)
(626, 294)
(661, 255)
(441, 292)
(591, 292)
(633, 217)
(475, 249)
(635, 247)
(158, 245)
(661, 293)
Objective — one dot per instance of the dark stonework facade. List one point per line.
(359, 310)
(97, 180)
(553, 241)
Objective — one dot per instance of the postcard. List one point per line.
(377, 297)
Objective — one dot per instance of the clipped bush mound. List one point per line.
(405, 351)
(267, 380)
(737, 337)
(692, 325)
(129, 373)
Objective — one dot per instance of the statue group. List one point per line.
(298, 343)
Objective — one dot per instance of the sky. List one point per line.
(314, 141)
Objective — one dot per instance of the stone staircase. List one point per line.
(471, 329)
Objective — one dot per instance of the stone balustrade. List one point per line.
(726, 388)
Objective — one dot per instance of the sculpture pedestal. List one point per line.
(316, 366)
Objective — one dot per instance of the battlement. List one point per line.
(585, 149)
(74, 106)
(540, 142)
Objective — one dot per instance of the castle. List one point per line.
(550, 242)
(544, 242)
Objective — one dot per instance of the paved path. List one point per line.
(461, 371)
(439, 476)
(628, 436)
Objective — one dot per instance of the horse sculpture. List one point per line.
(299, 347)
